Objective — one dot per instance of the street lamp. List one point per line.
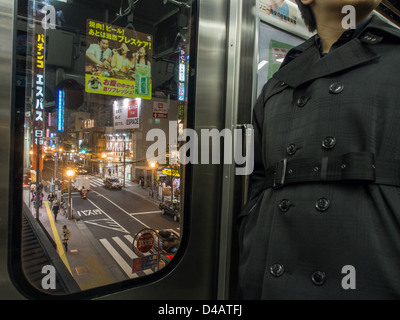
(103, 161)
(70, 174)
(153, 166)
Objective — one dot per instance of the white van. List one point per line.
(82, 181)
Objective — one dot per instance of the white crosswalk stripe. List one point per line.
(98, 182)
(120, 250)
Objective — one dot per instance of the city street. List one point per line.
(112, 218)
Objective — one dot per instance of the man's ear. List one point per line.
(307, 2)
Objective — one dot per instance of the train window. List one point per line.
(104, 89)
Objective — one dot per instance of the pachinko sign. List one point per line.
(37, 92)
(118, 61)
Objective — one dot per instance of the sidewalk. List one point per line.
(84, 256)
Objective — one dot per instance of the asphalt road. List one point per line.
(114, 217)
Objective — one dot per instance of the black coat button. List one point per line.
(277, 269)
(336, 87)
(329, 142)
(322, 204)
(291, 149)
(284, 205)
(318, 277)
(301, 102)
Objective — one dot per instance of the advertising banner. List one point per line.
(271, 52)
(277, 53)
(283, 14)
(279, 9)
(126, 114)
(118, 61)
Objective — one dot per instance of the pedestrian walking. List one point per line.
(51, 198)
(41, 196)
(55, 209)
(65, 235)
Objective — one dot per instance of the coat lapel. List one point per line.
(304, 62)
(309, 65)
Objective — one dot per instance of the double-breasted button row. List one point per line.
(317, 277)
(327, 143)
(334, 88)
(321, 205)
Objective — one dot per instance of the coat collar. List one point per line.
(304, 62)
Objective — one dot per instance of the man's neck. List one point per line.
(330, 29)
(329, 35)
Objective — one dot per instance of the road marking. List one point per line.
(106, 223)
(146, 212)
(122, 210)
(60, 247)
(121, 262)
(119, 227)
(124, 247)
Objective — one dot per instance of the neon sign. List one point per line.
(182, 72)
(60, 110)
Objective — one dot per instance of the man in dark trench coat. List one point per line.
(323, 217)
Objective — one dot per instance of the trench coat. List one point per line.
(323, 216)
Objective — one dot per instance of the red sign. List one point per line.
(133, 109)
(145, 242)
(160, 115)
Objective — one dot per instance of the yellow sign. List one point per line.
(114, 87)
(170, 172)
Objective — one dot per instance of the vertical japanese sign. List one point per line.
(38, 85)
(118, 61)
(182, 73)
(126, 113)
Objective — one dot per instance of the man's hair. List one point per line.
(307, 15)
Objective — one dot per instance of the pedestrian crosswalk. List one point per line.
(96, 182)
(120, 249)
(99, 182)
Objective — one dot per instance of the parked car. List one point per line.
(171, 208)
(49, 157)
(112, 183)
(169, 244)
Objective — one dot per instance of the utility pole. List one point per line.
(124, 159)
(38, 178)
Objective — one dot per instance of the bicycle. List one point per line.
(63, 209)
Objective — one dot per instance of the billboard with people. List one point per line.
(118, 61)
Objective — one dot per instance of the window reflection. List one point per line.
(97, 78)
